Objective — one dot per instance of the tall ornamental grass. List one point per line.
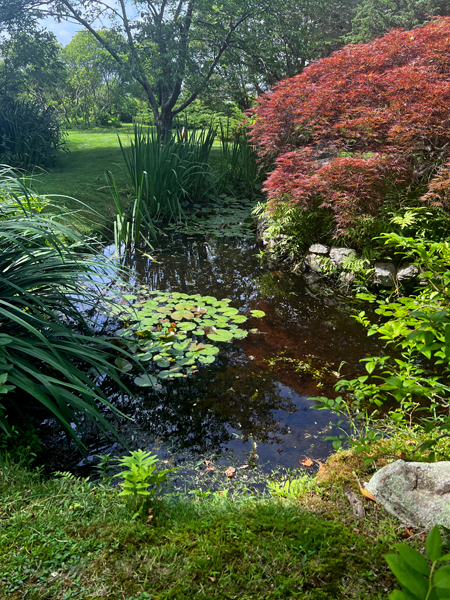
(30, 134)
(48, 348)
(165, 174)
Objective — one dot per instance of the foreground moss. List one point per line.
(67, 538)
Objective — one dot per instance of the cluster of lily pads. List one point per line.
(228, 216)
(171, 332)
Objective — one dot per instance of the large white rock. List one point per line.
(317, 263)
(338, 255)
(384, 274)
(418, 494)
(319, 249)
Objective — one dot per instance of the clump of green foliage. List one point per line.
(417, 328)
(30, 134)
(171, 332)
(419, 581)
(48, 346)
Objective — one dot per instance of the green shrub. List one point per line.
(30, 134)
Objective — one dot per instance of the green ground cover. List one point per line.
(64, 538)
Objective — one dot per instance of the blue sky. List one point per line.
(63, 31)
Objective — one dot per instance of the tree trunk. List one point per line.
(164, 122)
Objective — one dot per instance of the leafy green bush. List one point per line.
(30, 134)
(164, 177)
(47, 344)
(239, 169)
(415, 377)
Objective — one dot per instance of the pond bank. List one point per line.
(67, 537)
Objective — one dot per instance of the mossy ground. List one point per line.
(62, 538)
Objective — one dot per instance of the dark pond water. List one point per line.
(257, 390)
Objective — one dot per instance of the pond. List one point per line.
(255, 395)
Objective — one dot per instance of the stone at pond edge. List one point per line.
(317, 263)
(407, 273)
(338, 255)
(384, 274)
(319, 249)
(418, 494)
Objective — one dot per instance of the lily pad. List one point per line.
(145, 380)
(257, 313)
(220, 335)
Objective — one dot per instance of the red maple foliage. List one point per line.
(352, 126)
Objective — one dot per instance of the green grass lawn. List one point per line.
(68, 538)
(80, 173)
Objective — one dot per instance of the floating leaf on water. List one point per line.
(257, 313)
(145, 381)
(206, 360)
(124, 365)
(220, 335)
(182, 314)
(238, 319)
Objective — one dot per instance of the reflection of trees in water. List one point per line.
(207, 268)
(198, 413)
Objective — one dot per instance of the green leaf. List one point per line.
(413, 558)
(441, 577)
(433, 544)
(408, 578)
(145, 381)
(220, 335)
(182, 314)
(206, 360)
(257, 313)
(124, 365)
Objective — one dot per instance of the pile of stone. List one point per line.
(324, 259)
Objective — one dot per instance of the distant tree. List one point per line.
(279, 42)
(352, 126)
(376, 17)
(97, 85)
(167, 42)
(30, 62)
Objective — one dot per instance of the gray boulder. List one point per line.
(338, 255)
(317, 263)
(319, 249)
(346, 278)
(407, 273)
(418, 494)
(384, 275)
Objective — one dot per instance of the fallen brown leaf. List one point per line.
(244, 467)
(150, 515)
(230, 472)
(367, 494)
(213, 579)
(307, 462)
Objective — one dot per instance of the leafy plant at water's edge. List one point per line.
(418, 326)
(165, 331)
(418, 580)
(140, 475)
(47, 344)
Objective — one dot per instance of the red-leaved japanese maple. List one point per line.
(352, 126)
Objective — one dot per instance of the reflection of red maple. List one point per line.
(385, 104)
(275, 339)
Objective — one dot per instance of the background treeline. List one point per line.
(87, 87)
